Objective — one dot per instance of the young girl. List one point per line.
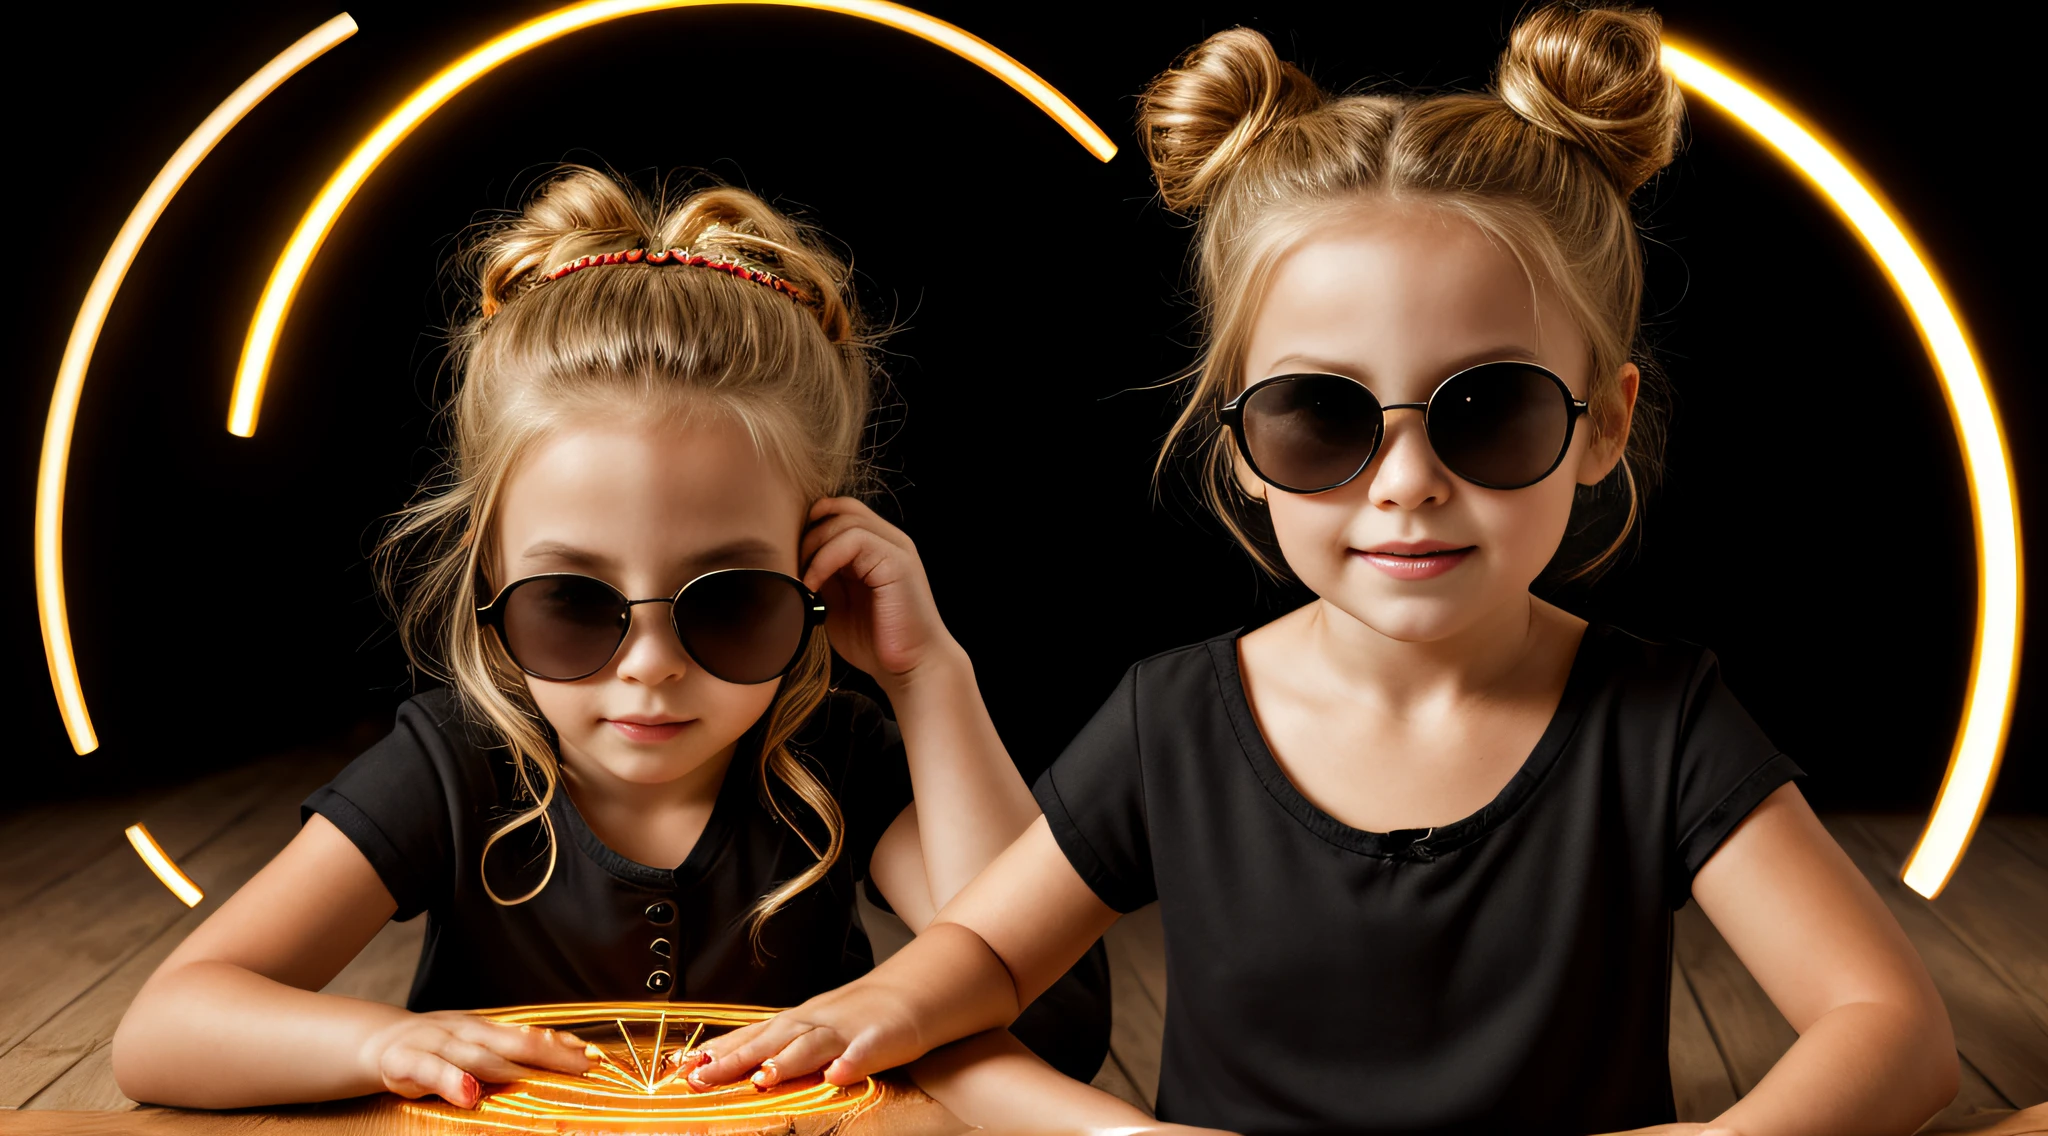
(636, 784)
(1417, 844)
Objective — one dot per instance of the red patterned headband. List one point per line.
(687, 259)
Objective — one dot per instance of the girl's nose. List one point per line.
(651, 654)
(1406, 473)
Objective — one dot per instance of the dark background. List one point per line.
(1815, 529)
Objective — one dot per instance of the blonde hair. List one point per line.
(660, 341)
(1582, 115)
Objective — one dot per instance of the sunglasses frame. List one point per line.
(492, 615)
(1232, 414)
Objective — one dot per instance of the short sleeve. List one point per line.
(1093, 797)
(392, 802)
(1726, 767)
(874, 787)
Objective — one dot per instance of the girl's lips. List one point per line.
(646, 731)
(1418, 566)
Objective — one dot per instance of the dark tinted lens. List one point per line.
(563, 627)
(1310, 432)
(744, 625)
(1502, 425)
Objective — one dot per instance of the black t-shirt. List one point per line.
(420, 804)
(1508, 972)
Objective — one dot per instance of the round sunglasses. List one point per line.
(1501, 425)
(742, 625)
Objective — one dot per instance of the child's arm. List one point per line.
(1002, 941)
(1875, 1052)
(971, 802)
(989, 1079)
(231, 1019)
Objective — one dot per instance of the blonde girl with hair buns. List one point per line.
(1417, 844)
(637, 782)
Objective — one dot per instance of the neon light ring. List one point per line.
(627, 1092)
(1980, 737)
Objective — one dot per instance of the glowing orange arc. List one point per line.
(268, 323)
(85, 334)
(159, 862)
(1994, 665)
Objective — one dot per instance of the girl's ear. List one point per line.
(1609, 445)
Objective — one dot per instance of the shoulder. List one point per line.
(1667, 681)
(1167, 694)
(434, 742)
(437, 724)
(842, 717)
(1644, 665)
(1193, 670)
(848, 729)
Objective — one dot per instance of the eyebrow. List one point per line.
(565, 553)
(1470, 359)
(731, 552)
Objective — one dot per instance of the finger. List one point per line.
(534, 1047)
(859, 553)
(807, 1054)
(819, 534)
(837, 506)
(824, 532)
(479, 1058)
(733, 1057)
(852, 511)
(862, 1058)
(414, 1073)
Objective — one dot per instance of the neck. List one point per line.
(598, 791)
(1490, 654)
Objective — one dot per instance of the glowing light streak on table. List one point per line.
(616, 1096)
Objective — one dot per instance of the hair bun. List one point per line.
(1198, 119)
(1595, 77)
(741, 224)
(576, 211)
(579, 211)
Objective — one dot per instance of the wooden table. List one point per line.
(83, 923)
(902, 1110)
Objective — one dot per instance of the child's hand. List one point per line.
(449, 1053)
(879, 608)
(850, 1032)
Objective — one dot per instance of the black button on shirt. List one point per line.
(420, 803)
(1505, 973)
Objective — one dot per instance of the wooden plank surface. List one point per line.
(1701, 1086)
(59, 942)
(2027, 834)
(58, 1057)
(84, 924)
(1137, 990)
(1997, 903)
(1748, 1030)
(1994, 1029)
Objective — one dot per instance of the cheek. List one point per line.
(561, 702)
(1313, 531)
(1526, 525)
(736, 707)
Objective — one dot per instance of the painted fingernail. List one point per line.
(472, 1093)
(593, 1052)
(767, 1076)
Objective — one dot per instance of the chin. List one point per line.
(1408, 618)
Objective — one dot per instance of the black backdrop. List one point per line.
(1815, 529)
